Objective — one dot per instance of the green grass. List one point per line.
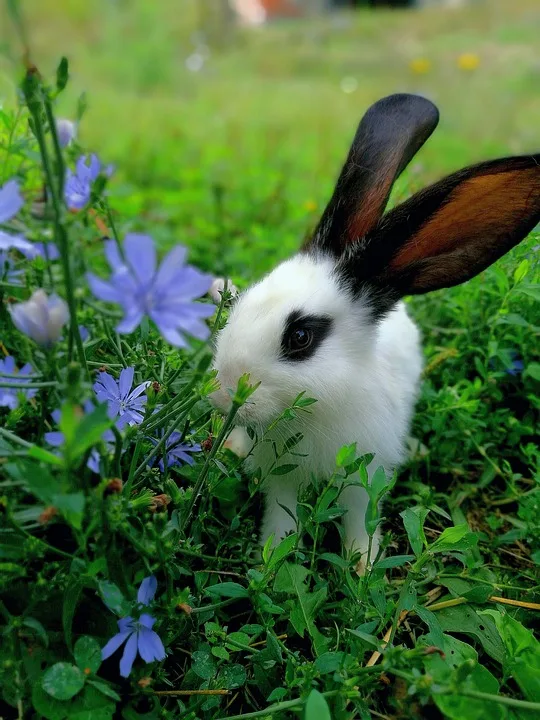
(237, 162)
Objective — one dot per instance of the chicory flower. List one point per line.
(137, 634)
(123, 402)
(9, 397)
(78, 185)
(176, 452)
(166, 294)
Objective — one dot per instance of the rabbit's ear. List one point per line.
(451, 231)
(389, 135)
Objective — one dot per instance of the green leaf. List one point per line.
(203, 664)
(87, 653)
(62, 74)
(89, 431)
(46, 706)
(42, 455)
(460, 662)
(285, 548)
(227, 590)
(522, 658)
(393, 562)
(221, 653)
(283, 469)
(435, 629)
(346, 455)
(290, 578)
(38, 628)
(92, 704)
(232, 676)
(71, 506)
(413, 520)
(62, 681)
(530, 290)
(454, 538)
(35, 478)
(336, 560)
(72, 594)
(533, 370)
(330, 662)
(104, 689)
(316, 707)
(463, 619)
(113, 598)
(521, 271)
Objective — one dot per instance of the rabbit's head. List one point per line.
(311, 324)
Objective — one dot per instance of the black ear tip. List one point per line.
(408, 105)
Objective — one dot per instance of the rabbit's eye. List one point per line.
(301, 338)
(303, 334)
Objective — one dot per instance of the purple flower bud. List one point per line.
(41, 317)
(66, 131)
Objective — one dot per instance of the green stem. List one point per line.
(26, 385)
(227, 425)
(36, 98)
(14, 438)
(287, 705)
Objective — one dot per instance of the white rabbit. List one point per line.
(330, 321)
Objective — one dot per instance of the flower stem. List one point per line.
(197, 489)
(25, 385)
(37, 99)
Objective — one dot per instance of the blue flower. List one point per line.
(165, 294)
(123, 402)
(516, 364)
(78, 185)
(11, 201)
(66, 131)
(9, 397)
(137, 634)
(176, 453)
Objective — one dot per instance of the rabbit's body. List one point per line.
(330, 321)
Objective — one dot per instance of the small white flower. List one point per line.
(218, 286)
(66, 131)
(41, 318)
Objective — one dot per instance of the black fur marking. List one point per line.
(302, 335)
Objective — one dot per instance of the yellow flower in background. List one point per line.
(468, 62)
(310, 205)
(420, 66)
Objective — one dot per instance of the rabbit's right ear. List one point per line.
(389, 135)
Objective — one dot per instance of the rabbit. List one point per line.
(331, 320)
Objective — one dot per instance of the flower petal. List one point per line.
(114, 643)
(126, 381)
(141, 255)
(173, 262)
(147, 620)
(11, 200)
(56, 439)
(147, 590)
(131, 321)
(113, 256)
(150, 646)
(109, 384)
(104, 290)
(128, 658)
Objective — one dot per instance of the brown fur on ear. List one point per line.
(389, 135)
(453, 230)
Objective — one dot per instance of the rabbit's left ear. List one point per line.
(449, 232)
(389, 135)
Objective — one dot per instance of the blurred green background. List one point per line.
(229, 139)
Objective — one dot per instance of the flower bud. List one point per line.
(66, 131)
(41, 317)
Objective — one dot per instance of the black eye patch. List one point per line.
(303, 334)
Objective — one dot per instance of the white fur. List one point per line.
(364, 377)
